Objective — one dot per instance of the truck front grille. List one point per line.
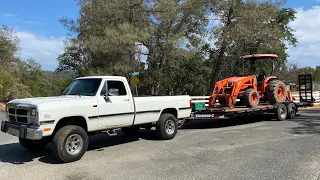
(12, 118)
(20, 114)
(22, 119)
(12, 111)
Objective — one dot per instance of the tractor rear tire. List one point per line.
(276, 91)
(251, 98)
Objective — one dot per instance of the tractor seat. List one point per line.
(260, 78)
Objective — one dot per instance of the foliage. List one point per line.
(6, 82)
(248, 27)
(22, 79)
(179, 47)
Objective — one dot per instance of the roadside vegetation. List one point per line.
(179, 47)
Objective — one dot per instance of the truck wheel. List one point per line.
(281, 112)
(131, 131)
(276, 91)
(166, 127)
(251, 98)
(33, 145)
(70, 143)
(292, 110)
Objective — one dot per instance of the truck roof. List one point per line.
(103, 77)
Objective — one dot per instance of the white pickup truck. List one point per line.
(91, 105)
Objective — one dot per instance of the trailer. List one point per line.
(280, 111)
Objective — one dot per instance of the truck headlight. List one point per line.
(33, 112)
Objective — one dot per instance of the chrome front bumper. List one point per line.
(23, 131)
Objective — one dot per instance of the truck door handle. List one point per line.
(126, 99)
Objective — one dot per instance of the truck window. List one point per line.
(114, 84)
(83, 87)
(118, 85)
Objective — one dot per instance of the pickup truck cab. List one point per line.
(91, 105)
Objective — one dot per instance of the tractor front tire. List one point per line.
(276, 91)
(251, 98)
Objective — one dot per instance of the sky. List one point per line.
(41, 34)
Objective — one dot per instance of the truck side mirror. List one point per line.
(113, 92)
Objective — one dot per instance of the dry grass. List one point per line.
(2, 107)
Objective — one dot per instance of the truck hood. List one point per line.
(39, 100)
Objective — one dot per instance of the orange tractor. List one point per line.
(251, 90)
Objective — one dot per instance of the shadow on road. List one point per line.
(308, 123)
(15, 154)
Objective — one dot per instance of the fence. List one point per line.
(201, 99)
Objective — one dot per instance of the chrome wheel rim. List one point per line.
(292, 110)
(170, 127)
(282, 113)
(74, 144)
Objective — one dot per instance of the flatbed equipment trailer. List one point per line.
(281, 111)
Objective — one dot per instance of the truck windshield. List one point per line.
(83, 87)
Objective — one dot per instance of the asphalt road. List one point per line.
(238, 149)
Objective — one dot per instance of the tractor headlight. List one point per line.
(230, 83)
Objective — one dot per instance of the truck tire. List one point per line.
(276, 91)
(131, 131)
(33, 145)
(166, 127)
(70, 143)
(251, 98)
(292, 110)
(281, 112)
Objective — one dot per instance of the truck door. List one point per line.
(115, 105)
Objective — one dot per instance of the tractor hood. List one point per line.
(237, 79)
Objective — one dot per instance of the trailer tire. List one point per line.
(166, 127)
(276, 91)
(71, 137)
(131, 131)
(281, 112)
(292, 110)
(251, 98)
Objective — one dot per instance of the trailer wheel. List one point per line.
(251, 97)
(292, 110)
(167, 126)
(281, 112)
(70, 143)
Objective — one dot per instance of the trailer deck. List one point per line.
(281, 111)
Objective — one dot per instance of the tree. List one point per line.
(107, 35)
(247, 28)
(110, 35)
(6, 82)
(175, 25)
(8, 47)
